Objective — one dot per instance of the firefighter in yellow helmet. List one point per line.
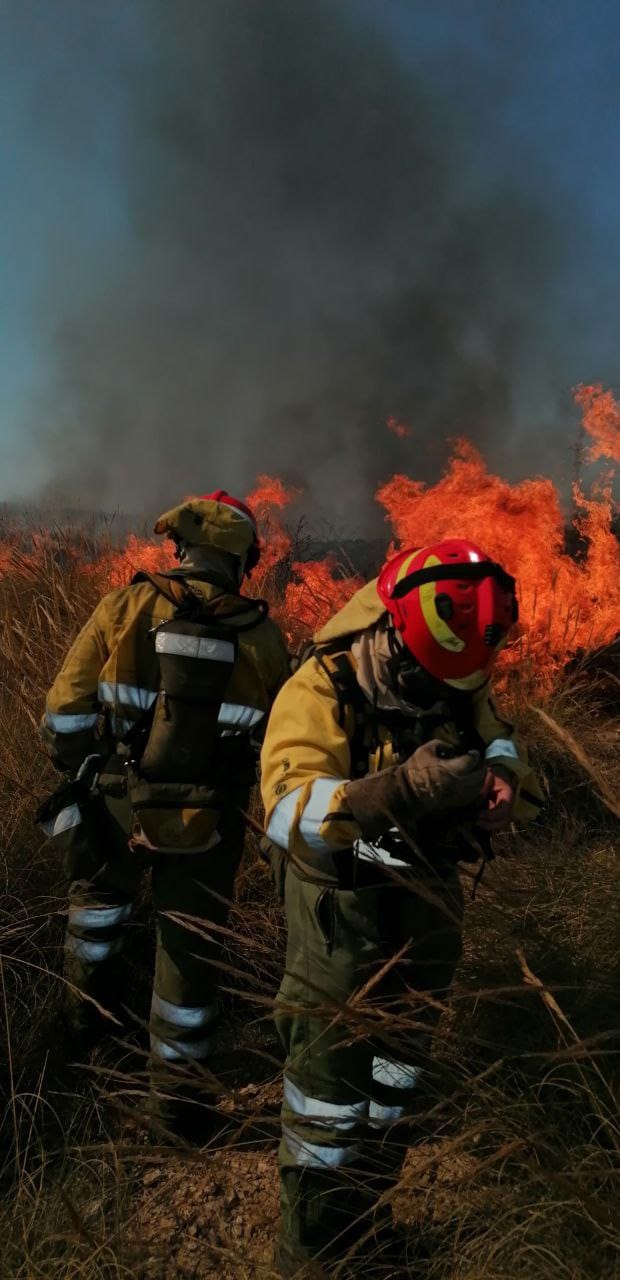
(384, 765)
(155, 714)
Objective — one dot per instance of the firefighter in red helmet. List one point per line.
(384, 765)
(155, 716)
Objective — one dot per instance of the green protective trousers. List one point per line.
(356, 1024)
(105, 876)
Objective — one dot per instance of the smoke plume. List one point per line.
(315, 243)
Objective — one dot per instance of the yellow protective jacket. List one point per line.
(110, 676)
(306, 756)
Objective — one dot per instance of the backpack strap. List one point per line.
(177, 590)
(341, 668)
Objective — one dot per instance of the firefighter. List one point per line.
(164, 775)
(384, 764)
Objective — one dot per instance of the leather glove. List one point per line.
(431, 780)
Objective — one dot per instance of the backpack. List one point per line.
(175, 805)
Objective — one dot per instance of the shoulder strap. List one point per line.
(174, 589)
(339, 665)
(177, 590)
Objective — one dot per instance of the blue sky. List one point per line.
(65, 68)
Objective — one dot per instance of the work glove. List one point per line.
(431, 780)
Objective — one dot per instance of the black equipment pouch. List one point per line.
(68, 817)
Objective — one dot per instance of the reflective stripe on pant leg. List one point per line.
(394, 1083)
(95, 933)
(314, 1130)
(178, 1031)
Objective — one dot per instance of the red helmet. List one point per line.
(453, 607)
(220, 495)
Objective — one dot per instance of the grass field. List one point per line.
(516, 1174)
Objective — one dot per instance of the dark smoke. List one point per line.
(315, 242)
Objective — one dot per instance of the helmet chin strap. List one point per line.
(408, 679)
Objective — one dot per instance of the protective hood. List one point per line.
(363, 610)
(205, 522)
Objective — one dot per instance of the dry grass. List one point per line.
(517, 1175)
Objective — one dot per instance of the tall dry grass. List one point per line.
(515, 1173)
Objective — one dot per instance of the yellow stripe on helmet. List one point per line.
(468, 684)
(438, 627)
(405, 568)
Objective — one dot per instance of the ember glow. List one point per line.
(398, 429)
(568, 602)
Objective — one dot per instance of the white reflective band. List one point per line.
(233, 713)
(238, 512)
(397, 1075)
(281, 819)
(381, 1117)
(313, 816)
(67, 818)
(331, 1115)
(84, 949)
(129, 694)
(370, 853)
(99, 917)
(317, 1156)
(194, 646)
(183, 1015)
(180, 1049)
(70, 723)
(501, 747)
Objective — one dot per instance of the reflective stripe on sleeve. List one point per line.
(75, 723)
(194, 646)
(99, 917)
(315, 1155)
(331, 1115)
(130, 695)
(397, 1075)
(237, 716)
(501, 747)
(94, 952)
(179, 1015)
(174, 1052)
(313, 816)
(68, 817)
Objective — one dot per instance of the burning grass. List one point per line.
(516, 1171)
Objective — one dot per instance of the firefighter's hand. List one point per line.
(440, 779)
(500, 800)
(434, 779)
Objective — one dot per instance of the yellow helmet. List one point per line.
(214, 520)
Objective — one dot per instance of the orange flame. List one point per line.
(567, 602)
(268, 498)
(601, 420)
